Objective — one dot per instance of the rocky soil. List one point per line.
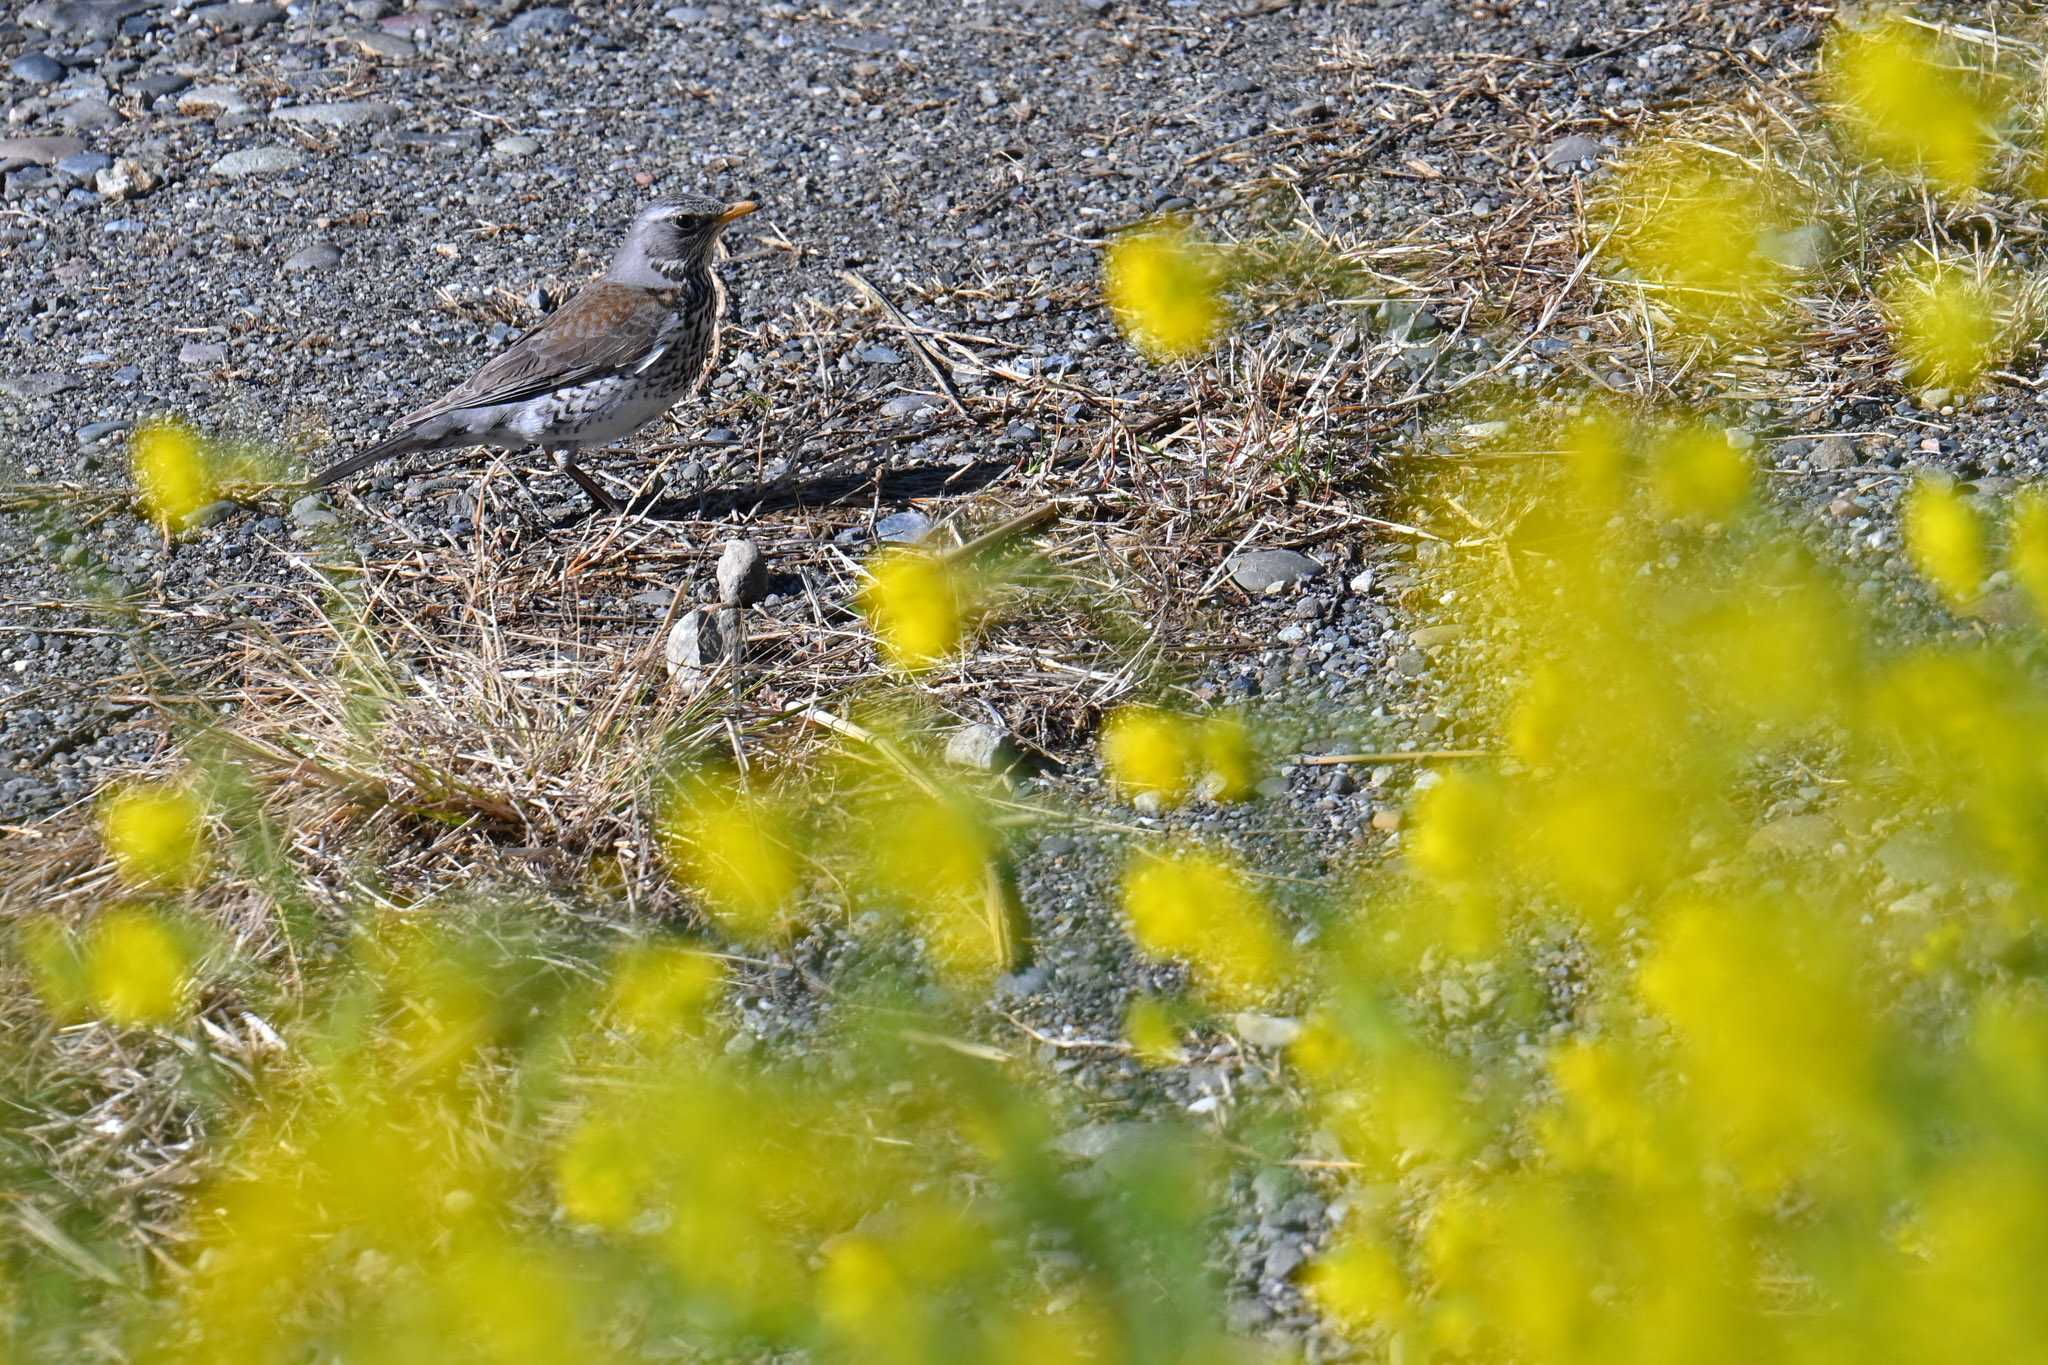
(293, 222)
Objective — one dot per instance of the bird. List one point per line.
(622, 351)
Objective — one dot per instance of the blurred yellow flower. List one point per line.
(1165, 290)
(1946, 323)
(916, 605)
(933, 855)
(173, 473)
(660, 989)
(1697, 233)
(1699, 476)
(1910, 104)
(135, 968)
(156, 834)
(2029, 552)
(1229, 759)
(1946, 540)
(1155, 1037)
(1197, 907)
(1148, 750)
(1359, 1284)
(735, 848)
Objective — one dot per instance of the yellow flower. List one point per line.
(135, 969)
(736, 849)
(1149, 1025)
(156, 835)
(1198, 907)
(1945, 322)
(2029, 552)
(172, 472)
(1697, 234)
(661, 989)
(914, 603)
(1912, 109)
(1359, 1284)
(1148, 750)
(1165, 290)
(1946, 541)
(1230, 762)
(1699, 476)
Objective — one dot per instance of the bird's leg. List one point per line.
(565, 460)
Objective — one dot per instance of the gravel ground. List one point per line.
(348, 206)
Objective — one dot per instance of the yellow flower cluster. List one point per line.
(1173, 757)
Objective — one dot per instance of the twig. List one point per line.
(917, 344)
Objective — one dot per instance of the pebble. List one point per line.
(390, 46)
(742, 574)
(903, 528)
(212, 99)
(1832, 452)
(38, 67)
(269, 160)
(980, 748)
(346, 114)
(203, 353)
(157, 85)
(695, 644)
(28, 388)
(36, 151)
(237, 16)
(1266, 1030)
(514, 148)
(313, 511)
(909, 405)
(1568, 153)
(125, 179)
(84, 165)
(1263, 571)
(315, 256)
(94, 432)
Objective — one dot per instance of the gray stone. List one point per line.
(212, 99)
(904, 528)
(909, 405)
(125, 179)
(269, 160)
(1795, 835)
(742, 574)
(203, 353)
(92, 433)
(1094, 1141)
(1801, 248)
(84, 165)
(158, 84)
(1266, 1030)
(84, 20)
(91, 114)
(42, 384)
(315, 256)
(1832, 452)
(389, 46)
(237, 16)
(514, 148)
(981, 748)
(1263, 571)
(695, 645)
(313, 510)
(1916, 858)
(1567, 153)
(39, 68)
(36, 151)
(346, 114)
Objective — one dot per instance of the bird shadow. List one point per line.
(792, 493)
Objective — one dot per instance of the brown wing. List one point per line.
(604, 329)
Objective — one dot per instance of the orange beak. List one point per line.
(737, 212)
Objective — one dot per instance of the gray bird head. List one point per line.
(672, 240)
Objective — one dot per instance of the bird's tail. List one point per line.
(400, 444)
